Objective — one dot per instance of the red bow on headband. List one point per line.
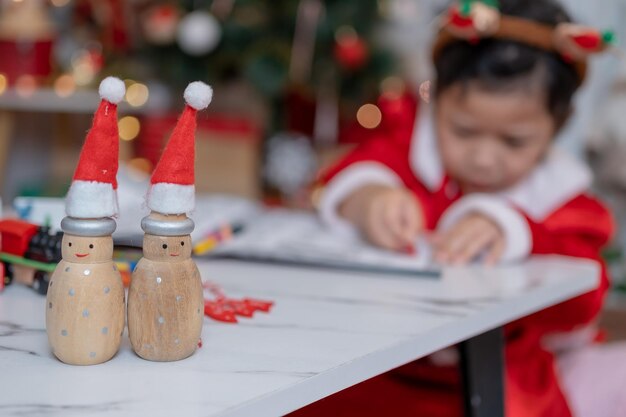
(473, 20)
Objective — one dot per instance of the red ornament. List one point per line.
(226, 309)
(239, 307)
(160, 23)
(351, 52)
(260, 305)
(219, 311)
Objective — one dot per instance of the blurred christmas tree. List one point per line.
(291, 51)
(298, 69)
(314, 62)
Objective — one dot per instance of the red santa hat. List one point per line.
(172, 189)
(93, 193)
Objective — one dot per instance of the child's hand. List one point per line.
(471, 236)
(393, 220)
(388, 217)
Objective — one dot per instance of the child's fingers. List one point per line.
(392, 218)
(442, 245)
(379, 232)
(476, 244)
(495, 252)
(411, 220)
(387, 239)
(395, 219)
(378, 235)
(459, 239)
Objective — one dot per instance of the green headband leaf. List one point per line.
(466, 8)
(608, 36)
(492, 3)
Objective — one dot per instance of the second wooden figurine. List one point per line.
(165, 301)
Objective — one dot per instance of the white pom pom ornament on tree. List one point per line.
(291, 163)
(199, 33)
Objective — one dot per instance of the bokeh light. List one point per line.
(64, 86)
(137, 94)
(369, 116)
(3, 83)
(129, 127)
(25, 85)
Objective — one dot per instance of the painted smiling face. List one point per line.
(166, 248)
(87, 250)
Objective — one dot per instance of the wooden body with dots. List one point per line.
(85, 302)
(165, 301)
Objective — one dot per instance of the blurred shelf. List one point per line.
(46, 100)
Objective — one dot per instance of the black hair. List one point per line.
(499, 64)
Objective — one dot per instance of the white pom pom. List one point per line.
(198, 95)
(112, 89)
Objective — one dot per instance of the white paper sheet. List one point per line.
(299, 238)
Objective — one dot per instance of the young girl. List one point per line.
(478, 171)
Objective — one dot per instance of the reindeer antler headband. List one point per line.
(472, 21)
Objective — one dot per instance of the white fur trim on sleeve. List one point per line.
(91, 200)
(513, 224)
(167, 198)
(345, 183)
(198, 95)
(112, 89)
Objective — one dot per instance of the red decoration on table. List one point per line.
(259, 305)
(217, 310)
(226, 309)
(239, 307)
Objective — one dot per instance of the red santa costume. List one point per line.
(549, 212)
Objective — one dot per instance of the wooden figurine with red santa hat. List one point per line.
(165, 301)
(85, 300)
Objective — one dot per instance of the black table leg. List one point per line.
(482, 366)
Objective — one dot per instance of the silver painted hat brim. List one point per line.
(167, 228)
(88, 227)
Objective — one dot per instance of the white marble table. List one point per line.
(328, 330)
